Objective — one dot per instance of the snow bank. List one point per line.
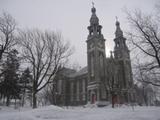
(56, 113)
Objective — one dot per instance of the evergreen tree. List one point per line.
(10, 88)
(26, 85)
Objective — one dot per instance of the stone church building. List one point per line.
(103, 80)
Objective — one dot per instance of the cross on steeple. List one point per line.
(92, 4)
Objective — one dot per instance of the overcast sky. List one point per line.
(71, 18)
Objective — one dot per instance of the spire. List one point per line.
(118, 32)
(94, 28)
(94, 19)
(120, 49)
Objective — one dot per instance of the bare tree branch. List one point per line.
(7, 28)
(145, 35)
(45, 52)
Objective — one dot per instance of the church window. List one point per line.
(80, 89)
(77, 90)
(71, 91)
(92, 65)
(74, 90)
(118, 44)
(83, 90)
(59, 86)
(101, 64)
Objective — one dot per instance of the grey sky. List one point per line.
(71, 17)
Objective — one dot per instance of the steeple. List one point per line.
(94, 28)
(94, 19)
(95, 58)
(118, 32)
(120, 49)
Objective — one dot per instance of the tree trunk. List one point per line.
(112, 101)
(34, 100)
(8, 101)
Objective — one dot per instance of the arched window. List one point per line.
(101, 63)
(92, 65)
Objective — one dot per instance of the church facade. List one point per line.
(103, 80)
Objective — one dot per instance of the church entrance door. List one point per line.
(93, 98)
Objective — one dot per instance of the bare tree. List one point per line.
(7, 29)
(45, 52)
(145, 35)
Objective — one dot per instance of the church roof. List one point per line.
(80, 72)
(67, 71)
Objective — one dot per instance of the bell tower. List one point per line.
(122, 55)
(95, 58)
(120, 50)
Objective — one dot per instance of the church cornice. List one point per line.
(92, 37)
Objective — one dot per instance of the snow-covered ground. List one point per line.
(80, 113)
